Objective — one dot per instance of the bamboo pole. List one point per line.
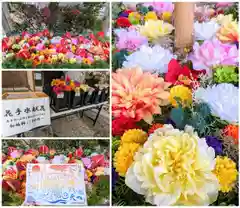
(184, 24)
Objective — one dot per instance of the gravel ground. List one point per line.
(75, 126)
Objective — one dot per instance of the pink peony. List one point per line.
(213, 53)
(137, 94)
(129, 39)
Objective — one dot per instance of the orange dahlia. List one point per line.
(154, 127)
(137, 94)
(232, 131)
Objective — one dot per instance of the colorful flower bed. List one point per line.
(16, 159)
(44, 50)
(175, 119)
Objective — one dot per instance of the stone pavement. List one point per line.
(75, 126)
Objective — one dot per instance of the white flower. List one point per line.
(205, 30)
(153, 59)
(59, 159)
(174, 167)
(42, 160)
(222, 100)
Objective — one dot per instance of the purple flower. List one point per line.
(215, 144)
(114, 178)
(123, 14)
(213, 53)
(129, 39)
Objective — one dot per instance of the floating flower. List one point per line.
(153, 59)
(130, 39)
(226, 74)
(138, 95)
(154, 127)
(154, 29)
(134, 136)
(174, 168)
(215, 144)
(222, 100)
(181, 75)
(226, 172)
(213, 53)
(122, 124)
(161, 7)
(232, 131)
(205, 30)
(182, 94)
(223, 19)
(123, 158)
(151, 16)
(134, 18)
(43, 149)
(228, 33)
(123, 22)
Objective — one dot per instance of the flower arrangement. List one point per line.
(175, 119)
(16, 159)
(43, 48)
(137, 31)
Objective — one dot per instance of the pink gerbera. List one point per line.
(137, 94)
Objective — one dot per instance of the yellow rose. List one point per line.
(174, 168)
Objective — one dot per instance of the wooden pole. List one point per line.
(31, 81)
(184, 24)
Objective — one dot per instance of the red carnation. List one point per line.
(122, 124)
(101, 34)
(70, 155)
(123, 22)
(78, 153)
(43, 149)
(178, 74)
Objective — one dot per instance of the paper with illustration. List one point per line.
(49, 184)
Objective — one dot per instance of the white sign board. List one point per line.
(21, 115)
(50, 184)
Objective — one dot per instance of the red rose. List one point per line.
(78, 153)
(122, 124)
(123, 22)
(43, 149)
(101, 34)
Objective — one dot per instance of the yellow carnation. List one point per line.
(123, 158)
(154, 29)
(180, 92)
(134, 135)
(174, 167)
(151, 16)
(226, 172)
